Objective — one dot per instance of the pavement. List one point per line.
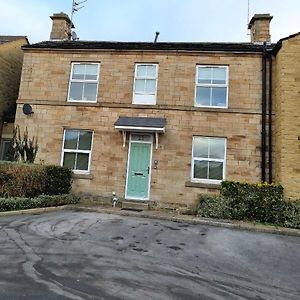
(69, 254)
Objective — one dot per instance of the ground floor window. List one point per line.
(4, 149)
(208, 161)
(77, 150)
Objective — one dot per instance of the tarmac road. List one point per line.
(82, 255)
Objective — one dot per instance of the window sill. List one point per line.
(203, 185)
(82, 176)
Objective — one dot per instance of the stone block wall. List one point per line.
(11, 58)
(44, 84)
(287, 116)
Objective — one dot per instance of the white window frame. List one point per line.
(77, 150)
(145, 98)
(84, 81)
(203, 180)
(211, 85)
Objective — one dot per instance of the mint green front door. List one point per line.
(138, 171)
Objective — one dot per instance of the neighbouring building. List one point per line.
(11, 59)
(164, 122)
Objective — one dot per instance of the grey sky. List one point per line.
(137, 20)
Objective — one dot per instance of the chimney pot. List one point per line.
(61, 26)
(259, 27)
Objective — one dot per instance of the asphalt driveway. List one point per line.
(80, 255)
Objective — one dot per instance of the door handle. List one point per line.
(138, 174)
(148, 170)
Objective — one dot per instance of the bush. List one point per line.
(29, 180)
(7, 204)
(58, 180)
(214, 207)
(253, 202)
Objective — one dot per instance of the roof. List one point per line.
(11, 38)
(146, 46)
(128, 123)
(278, 45)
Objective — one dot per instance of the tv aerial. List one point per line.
(76, 6)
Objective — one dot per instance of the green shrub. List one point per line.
(292, 214)
(7, 204)
(253, 202)
(214, 207)
(58, 180)
(31, 180)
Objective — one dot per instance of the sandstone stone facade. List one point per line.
(287, 116)
(11, 58)
(45, 83)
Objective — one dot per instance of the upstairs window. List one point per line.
(84, 82)
(145, 84)
(211, 86)
(77, 150)
(208, 162)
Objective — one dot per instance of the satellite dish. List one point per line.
(74, 36)
(27, 109)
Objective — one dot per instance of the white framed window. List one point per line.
(208, 159)
(77, 150)
(211, 86)
(84, 81)
(145, 84)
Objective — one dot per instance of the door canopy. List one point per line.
(141, 124)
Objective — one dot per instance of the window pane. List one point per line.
(71, 137)
(90, 91)
(219, 96)
(200, 147)
(203, 96)
(219, 76)
(82, 162)
(215, 170)
(141, 71)
(150, 86)
(140, 85)
(85, 140)
(217, 148)
(76, 90)
(6, 147)
(78, 71)
(200, 169)
(69, 160)
(91, 72)
(151, 71)
(204, 75)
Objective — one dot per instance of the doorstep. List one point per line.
(135, 205)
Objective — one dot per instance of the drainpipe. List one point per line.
(264, 112)
(270, 119)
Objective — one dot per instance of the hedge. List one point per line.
(31, 180)
(260, 202)
(7, 204)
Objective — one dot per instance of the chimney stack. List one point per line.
(260, 28)
(61, 27)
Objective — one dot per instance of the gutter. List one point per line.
(264, 113)
(270, 119)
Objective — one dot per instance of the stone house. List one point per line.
(11, 59)
(163, 122)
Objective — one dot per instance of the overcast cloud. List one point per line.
(137, 20)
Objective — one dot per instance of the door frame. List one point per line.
(150, 164)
